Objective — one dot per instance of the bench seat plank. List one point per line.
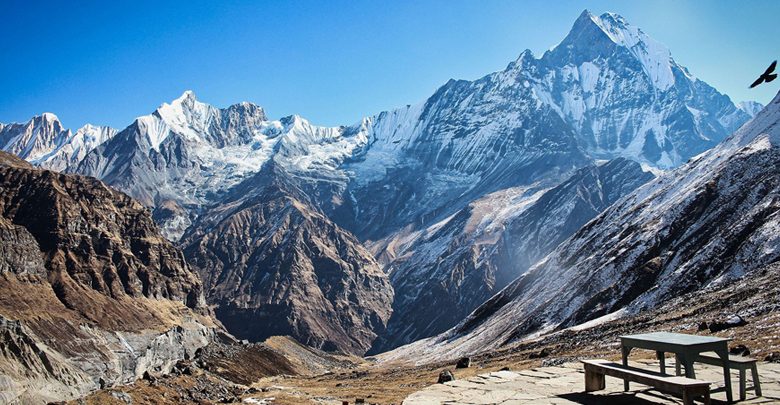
(596, 370)
(639, 375)
(736, 361)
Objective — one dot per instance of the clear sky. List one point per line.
(329, 61)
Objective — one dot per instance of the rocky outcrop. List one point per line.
(91, 295)
(274, 265)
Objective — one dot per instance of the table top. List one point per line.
(680, 339)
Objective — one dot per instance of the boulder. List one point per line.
(773, 357)
(732, 322)
(464, 362)
(541, 354)
(740, 350)
(445, 376)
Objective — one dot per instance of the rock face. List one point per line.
(494, 240)
(274, 265)
(711, 221)
(90, 293)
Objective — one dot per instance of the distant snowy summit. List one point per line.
(44, 142)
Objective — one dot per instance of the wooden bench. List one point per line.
(596, 370)
(740, 363)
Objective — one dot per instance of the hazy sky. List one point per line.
(329, 61)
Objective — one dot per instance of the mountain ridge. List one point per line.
(710, 221)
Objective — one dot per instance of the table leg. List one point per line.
(687, 361)
(724, 356)
(677, 368)
(625, 350)
(662, 360)
(756, 383)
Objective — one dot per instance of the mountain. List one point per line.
(91, 295)
(488, 244)
(606, 91)
(625, 95)
(187, 154)
(276, 266)
(392, 180)
(711, 221)
(44, 142)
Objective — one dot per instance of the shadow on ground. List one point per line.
(621, 398)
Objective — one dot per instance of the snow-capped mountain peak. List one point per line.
(43, 141)
(49, 117)
(185, 115)
(750, 107)
(592, 33)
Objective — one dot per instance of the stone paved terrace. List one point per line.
(565, 384)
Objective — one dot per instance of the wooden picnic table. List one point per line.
(685, 347)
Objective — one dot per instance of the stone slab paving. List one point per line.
(565, 384)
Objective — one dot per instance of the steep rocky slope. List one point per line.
(90, 294)
(709, 222)
(274, 265)
(485, 246)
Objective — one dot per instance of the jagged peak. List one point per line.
(614, 27)
(47, 116)
(89, 127)
(188, 95)
(594, 36)
(293, 120)
(750, 107)
(525, 55)
(250, 108)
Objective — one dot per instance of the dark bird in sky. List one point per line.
(768, 76)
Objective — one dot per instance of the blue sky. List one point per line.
(329, 61)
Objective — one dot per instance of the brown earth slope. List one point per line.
(275, 266)
(90, 294)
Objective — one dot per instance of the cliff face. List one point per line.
(90, 293)
(274, 265)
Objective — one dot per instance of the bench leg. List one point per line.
(756, 383)
(707, 397)
(594, 381)
(687, 398)
(662, 360)
(742, 385)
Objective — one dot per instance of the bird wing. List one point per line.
(771, 68)
(757, 82)
(771, 77)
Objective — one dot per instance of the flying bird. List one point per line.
(768, 76)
